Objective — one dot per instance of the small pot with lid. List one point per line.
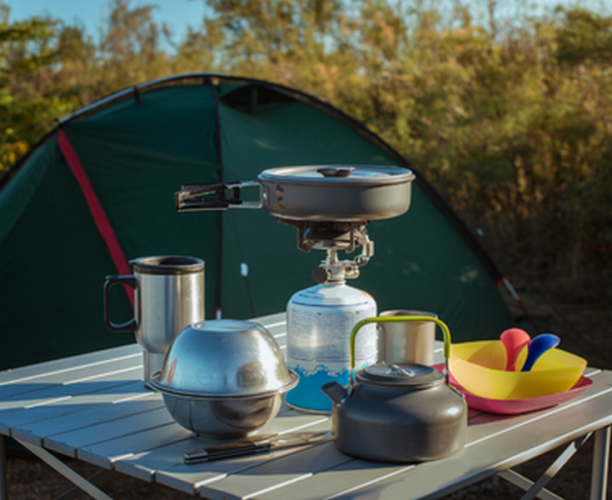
(400, 413)
(224, 378)
(314, 193)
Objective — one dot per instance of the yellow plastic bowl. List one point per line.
(480, 368)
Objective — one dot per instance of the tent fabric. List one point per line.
(97, 212)
(138, 147)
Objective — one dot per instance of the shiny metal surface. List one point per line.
(319, 175)
(224, 358)
(398, 423)
(357, 193)
(223, 417)
(319, 323)
(398, 412)
(168, 296)
(224, 378)
(370, 192)
(409, 342)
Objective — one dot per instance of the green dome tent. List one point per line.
(98, 190)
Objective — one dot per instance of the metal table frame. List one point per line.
(103, 392)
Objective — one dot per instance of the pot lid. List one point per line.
(400, 375)
(224, 359)
(333, 175)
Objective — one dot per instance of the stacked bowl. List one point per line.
(478, 369)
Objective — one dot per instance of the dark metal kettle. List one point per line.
(401, 413)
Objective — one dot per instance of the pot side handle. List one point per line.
(399, 319)
(212, 196)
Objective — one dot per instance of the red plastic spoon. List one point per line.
(514, 340)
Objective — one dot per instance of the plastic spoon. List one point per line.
(514, 340)
(539, 345)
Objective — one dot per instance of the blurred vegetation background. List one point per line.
(510, 117)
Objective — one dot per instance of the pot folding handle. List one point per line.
(399, 319)
(212, 196)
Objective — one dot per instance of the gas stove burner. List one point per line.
(333, 236)
(325, 235)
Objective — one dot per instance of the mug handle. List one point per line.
(131, 281)
(398, 319)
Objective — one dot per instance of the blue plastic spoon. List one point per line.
(539, 345)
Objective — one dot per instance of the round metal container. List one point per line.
(336, 192)
(168, 296)
(224, 378)
(319, 323)
(398, 413)
(409, 342)
(402, 412)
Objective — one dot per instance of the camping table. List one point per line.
(94, 408)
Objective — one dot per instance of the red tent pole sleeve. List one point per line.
(95, 207)
(516, 297)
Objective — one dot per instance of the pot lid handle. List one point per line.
(398, 370)
(336, 172)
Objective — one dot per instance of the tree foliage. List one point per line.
(510, 118)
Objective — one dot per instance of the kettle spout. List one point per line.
(334, 391)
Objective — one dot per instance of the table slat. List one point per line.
(184, 477)
(537, 433)
(147, 462)
(66, 364)
(69, 442)
(94, 407)
(85, 378)
(20, 418)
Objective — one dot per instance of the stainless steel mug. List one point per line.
(409, 342)
(168, 297)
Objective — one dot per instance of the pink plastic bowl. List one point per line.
(516, 406)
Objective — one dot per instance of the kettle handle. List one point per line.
(399, 319)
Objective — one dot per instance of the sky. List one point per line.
(178, 14)
(91, 14)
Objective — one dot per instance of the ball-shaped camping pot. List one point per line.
(224, 378)
(399, 413)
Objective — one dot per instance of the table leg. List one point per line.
(3, 471)
(65, 471)
(556, 466)
(601, 460)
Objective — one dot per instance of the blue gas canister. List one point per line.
(319, 323)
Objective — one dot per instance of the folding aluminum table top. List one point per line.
(95, 408)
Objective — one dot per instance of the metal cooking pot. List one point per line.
(224, 378)
(401, 412)
(313, 193)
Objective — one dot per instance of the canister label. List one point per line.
(318, 341)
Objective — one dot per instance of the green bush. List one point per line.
(510, 118)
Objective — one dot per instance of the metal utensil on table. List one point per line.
(168, 296)
(251, 447)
